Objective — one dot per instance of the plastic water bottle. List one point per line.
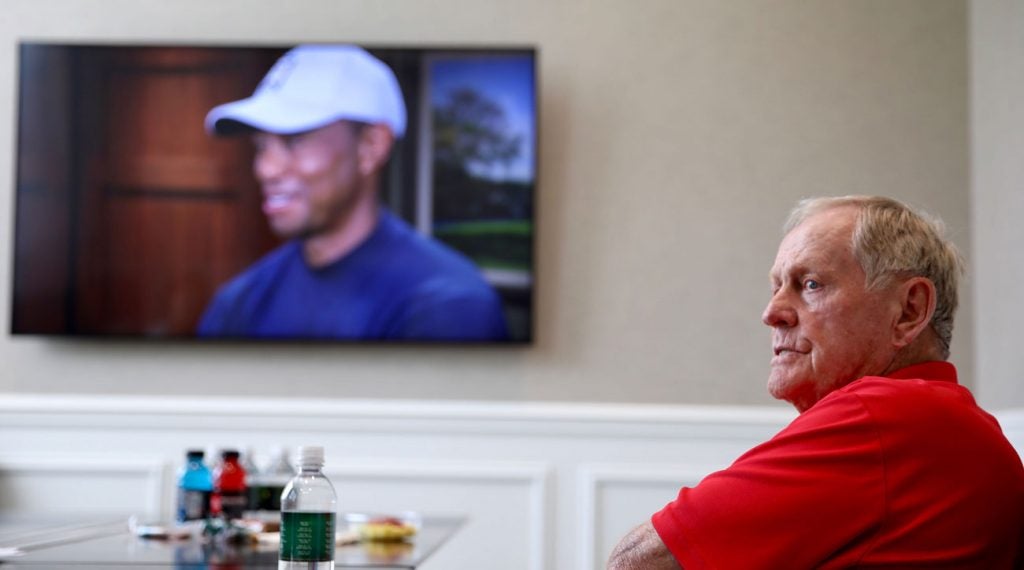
(195, 483)
(308, 516)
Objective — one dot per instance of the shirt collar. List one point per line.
(935, 370)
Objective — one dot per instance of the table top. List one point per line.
(109, 544)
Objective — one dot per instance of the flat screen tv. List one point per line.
(310, 206)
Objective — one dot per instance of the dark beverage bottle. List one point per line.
(266, 487)
(229, 497)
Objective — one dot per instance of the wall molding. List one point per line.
(537, 447)
(536, 475)
(405, 409)
(1012, 422)
(153, 470)
(592, 477)
(389, 416)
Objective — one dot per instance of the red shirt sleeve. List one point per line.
(812, 493)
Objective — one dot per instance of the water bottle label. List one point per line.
(307, 537)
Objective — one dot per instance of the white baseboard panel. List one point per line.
(84, 483)
(1012, 422)
(539, 483)
(614, 498)
(489, 493)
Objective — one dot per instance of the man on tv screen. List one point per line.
(323, 122)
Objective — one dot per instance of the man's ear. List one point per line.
(917, 303)
(375, 142)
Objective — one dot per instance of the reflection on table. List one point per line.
(32, 545)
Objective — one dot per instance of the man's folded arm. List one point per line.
(642, 549)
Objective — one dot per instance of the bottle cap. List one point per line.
(195, 454)
(311, 455)
(229, 454)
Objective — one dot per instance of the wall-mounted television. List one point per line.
(320, 192)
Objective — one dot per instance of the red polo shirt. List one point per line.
(887, 472)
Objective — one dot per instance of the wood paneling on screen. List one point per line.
(157, 195)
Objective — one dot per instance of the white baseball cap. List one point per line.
(315, 85)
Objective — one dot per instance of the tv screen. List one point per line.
(323, 192)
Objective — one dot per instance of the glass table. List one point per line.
(30, 545)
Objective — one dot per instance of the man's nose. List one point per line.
(271, 160)
(780, 311)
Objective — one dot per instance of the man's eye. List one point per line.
(293, 141)
(811, 284)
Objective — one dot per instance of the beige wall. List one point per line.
(997, 198)
(676, 135)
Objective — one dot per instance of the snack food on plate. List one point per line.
(385, 552)
(386, 529)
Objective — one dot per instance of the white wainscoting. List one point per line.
(615, 497)
(1012, 422)
(543, 486)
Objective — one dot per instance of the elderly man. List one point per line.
(323, 122)
(890, 462)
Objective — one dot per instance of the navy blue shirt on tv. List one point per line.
(397, 284)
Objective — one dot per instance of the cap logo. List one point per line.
(279, 73)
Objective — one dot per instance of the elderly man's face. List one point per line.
(310, 180)
(827, 328)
